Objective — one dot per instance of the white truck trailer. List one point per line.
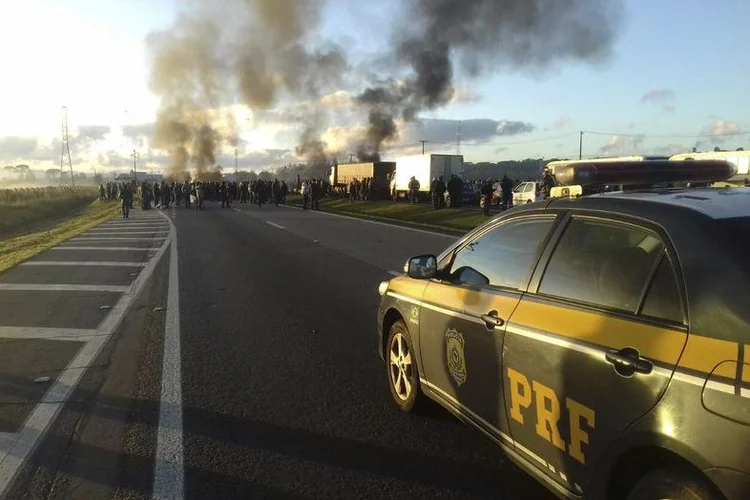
(424, 168)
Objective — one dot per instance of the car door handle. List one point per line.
(491, 320)
(628, 361)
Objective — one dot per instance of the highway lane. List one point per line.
(283, 393)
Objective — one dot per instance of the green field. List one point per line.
(454, 220)
(32, 221)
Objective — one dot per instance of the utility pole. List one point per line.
(65, 155)
(580, 146)
(351, 157)
(135, 156)
(458, 139)
(235, 162)
(423, 142)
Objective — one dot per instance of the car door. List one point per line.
(592, 345)
(463, 315)
(518, 193)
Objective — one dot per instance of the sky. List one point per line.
(677, 77)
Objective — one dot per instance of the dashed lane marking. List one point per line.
(33, 287)
(17, 448)
(113, 249)
(109, 232)
(108, 226)
(169, 472)
(115, 238)
(275, 225)
(16, 332)
(75, 263)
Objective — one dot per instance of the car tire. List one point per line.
(401, 366)
(673, 485)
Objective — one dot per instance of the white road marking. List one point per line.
(74, 263)
(30, 287)
(108, 226)
(395, 273)
(237, 210)
(109, 232)
(23, 332)
(15, 451)
(275, 225)
(169, 473)
(114, 238)
(405, 228)
(113, 249)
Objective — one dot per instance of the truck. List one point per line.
(340, 175)
(740, 159)
(424, 168)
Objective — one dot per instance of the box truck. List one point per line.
(424, 168)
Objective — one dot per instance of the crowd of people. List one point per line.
(193, 193)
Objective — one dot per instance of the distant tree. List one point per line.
(717, 149)
(740, 149)
(23, 172)
(52, 173)
(98, 179)
(265, 175)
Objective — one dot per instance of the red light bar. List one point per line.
(643, 173)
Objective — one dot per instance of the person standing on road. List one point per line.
(414, 190)
(486, 192)
(506, 185)
(276, 192)
(305, 190)
(127, 200)
(440, 188)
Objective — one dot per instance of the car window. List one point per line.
(520, 188)
(529, 188)
(503, 256)
(663, 296)
(602, 263)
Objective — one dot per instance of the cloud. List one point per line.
(93, 132)
(114, 160)
(14, 147)
(474, 130)
(623, 144)
(465, 94)
(669, 108)
(341, 99)
(657, 96)
(141, 130)
(720, 131)
(561, 123)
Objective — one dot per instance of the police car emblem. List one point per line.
(454, 348)
(414, 317)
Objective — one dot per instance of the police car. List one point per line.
(601, 339)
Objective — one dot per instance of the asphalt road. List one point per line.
(282, 392)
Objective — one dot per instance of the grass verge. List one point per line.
(25, 212)
(448, 220)
(19, 248)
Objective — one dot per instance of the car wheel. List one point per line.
(672, 485)
(403, 376)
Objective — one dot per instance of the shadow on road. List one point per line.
(60, 453)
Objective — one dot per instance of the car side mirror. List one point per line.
(421, 267)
